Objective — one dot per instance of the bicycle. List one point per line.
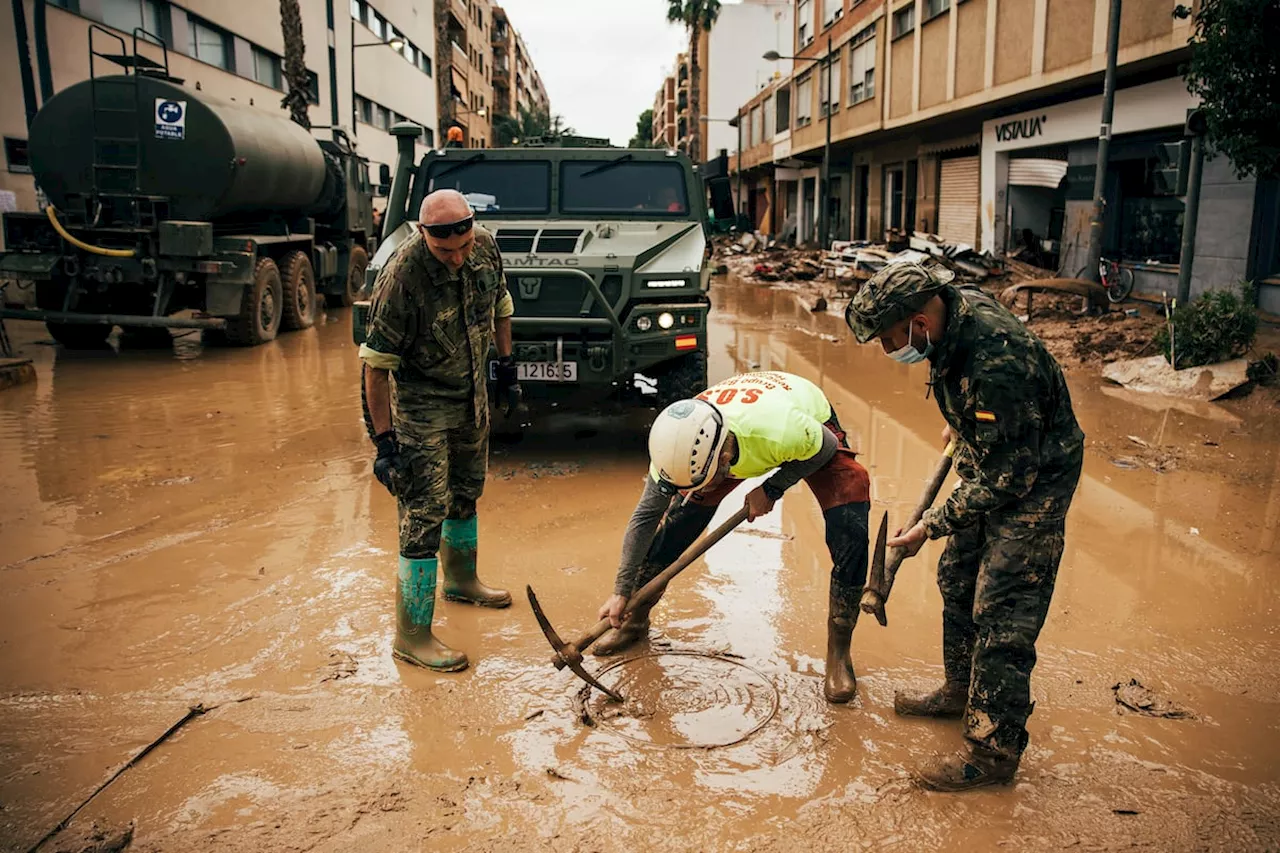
(1117, 280)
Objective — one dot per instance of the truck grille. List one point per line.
(550, 241)
(557, 294)
(558, 240)
(516, 240)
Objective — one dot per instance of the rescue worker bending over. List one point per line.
(701, 449)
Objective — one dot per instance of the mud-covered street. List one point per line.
(201, 526)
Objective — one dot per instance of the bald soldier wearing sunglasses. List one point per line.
(439, 303)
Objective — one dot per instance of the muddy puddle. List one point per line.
(200, 526)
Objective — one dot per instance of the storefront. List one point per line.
(1038, 173)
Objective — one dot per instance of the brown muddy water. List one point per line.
(202, 526)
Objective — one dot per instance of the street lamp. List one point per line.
(735, 122)
(823, 225)
(395, 43)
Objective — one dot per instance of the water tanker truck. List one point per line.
(166, 201)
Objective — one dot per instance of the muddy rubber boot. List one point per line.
(632, 631)
(458, 540)
(415, 610)
(841, 683)
(947, 702)
(974, 767)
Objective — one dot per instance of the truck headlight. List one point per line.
(665, 320)
(644, 323)
(666, 282)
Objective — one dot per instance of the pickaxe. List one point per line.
(570, 654)
(880, 579)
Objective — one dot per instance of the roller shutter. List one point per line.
(958, 200)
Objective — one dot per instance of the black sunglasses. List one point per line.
(450, 229)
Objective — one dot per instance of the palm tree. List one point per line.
(296, 81)
(697, 16)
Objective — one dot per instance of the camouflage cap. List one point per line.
(897, 291)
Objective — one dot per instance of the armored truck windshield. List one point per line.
(516, 186)
(616, 187)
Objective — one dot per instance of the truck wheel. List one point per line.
(145, 337)
(80, 335)
(686, 377)
(299, 292)
(260, 308)
(355, 277)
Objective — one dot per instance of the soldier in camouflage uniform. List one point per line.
(1019, 453)
(438, 305)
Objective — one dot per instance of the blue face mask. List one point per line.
(909, 354)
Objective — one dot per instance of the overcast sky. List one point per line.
(602, 61)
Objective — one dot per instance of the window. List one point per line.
(904, 21)
(15, 155)
(358, 10)
(516, 186)
(266, 68)
(313, 87)
(593, 186)
(428, 137)
(757, 127)
(364, 108)
(424, 63)
(1150, 226)
(804, 101)
(381, 117)
(783, 98)
(828, 103)
(768, 111)
(933, 8)
(831, 11)
(127, 15)
(410, 53)
(69, 5)
(208, 44)
(376, 25)
(862, 66)
(804, 22)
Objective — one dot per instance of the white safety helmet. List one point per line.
(685, 444)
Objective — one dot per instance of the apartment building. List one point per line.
(735, 64)
(673, 101)
(371, 64)
(664, 114)
(467, 32)
(978, 120)
(516, 83)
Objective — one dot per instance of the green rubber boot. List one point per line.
(458, 541)
(415, 609)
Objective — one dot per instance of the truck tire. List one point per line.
(145, 337)
(80, 335)
(686, 377)
(356, 267)
(299, 292)
(260, 308)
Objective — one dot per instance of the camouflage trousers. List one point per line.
(996, 579)
(445, 456)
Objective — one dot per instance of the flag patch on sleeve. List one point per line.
(986, 417)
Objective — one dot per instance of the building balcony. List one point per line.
(501, 73)
(499, 35)
(458, 8)
(460, 58)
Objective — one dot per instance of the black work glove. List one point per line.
(508, 387)
(387, 464)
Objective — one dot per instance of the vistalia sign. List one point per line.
(1024, 128)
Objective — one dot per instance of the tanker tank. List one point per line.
(210, 158)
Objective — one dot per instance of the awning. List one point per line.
(971, 140)
(459, 83)
(1036, 172)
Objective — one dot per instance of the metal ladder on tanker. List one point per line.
(117, 108)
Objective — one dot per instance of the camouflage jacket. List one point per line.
(438, 326)
(1018, 447)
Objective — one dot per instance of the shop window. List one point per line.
(862, 66)
(15, 155)
(208, 43)
(904, 21)
(1150, 220)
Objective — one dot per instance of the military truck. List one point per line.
(604, 251)
(166, 201)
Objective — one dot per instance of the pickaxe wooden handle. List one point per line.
(883, 571)
(570, 655)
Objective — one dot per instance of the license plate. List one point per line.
(542, 371)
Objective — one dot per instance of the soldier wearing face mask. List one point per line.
(1019, 453)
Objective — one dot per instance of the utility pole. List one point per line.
(738, 119)
(824, 225)
(1098, 219)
